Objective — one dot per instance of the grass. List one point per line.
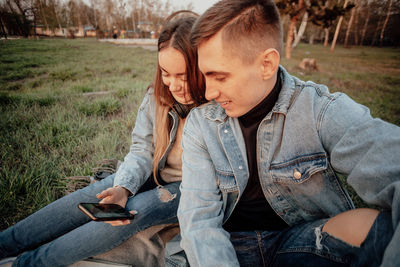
(64, 106)
(371, 76)
(67, 104)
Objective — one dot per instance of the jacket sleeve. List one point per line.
(200, 210)
(367, 150)
(138, 163)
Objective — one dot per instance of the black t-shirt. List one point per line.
(253, 211)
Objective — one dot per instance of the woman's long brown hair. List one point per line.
(174, 34)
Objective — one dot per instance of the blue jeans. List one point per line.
(60, 234)
(306, 245)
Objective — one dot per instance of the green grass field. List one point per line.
(54, 122)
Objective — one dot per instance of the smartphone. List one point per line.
(105, 212)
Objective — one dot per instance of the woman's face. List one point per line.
(173, 72)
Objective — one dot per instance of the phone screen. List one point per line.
(105, 212)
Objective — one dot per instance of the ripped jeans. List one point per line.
(60, 234)
(306, 245)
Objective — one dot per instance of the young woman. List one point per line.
(60, 234)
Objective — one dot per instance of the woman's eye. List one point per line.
(164, 74)
(220, 78)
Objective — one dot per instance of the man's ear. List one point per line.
(270, 60)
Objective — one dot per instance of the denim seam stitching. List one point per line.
(304, 158)
(261, 248)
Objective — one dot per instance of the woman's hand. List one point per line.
(115, 195)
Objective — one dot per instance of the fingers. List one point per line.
(117, 195)
(122, 222)
(111, 195)
(104, 193)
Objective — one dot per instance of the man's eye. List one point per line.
(164, 74)
(220, 78)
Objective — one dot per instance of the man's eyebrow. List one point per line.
(178, 74)
(214, 73)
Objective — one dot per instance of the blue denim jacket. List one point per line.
(308, 137)
(138, 163)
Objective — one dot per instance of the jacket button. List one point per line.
(240, 167)
(225, 131)
(296, 174)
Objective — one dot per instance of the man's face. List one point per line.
(236, 86)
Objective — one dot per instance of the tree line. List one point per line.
(19, 17)
(349, 22)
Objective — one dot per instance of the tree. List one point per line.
(319, 12)
(302, 28)
(364, 30)
(378, 26)
(53, 5)
(386, 22)
(356, 25)
(346, 39)
(294, 8)
(18, 13)
(43, 15)
(345, 6)
(324, 14)
(2, 24)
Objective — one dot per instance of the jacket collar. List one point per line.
(284, 101)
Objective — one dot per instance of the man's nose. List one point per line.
(211, 91)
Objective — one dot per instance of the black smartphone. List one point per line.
(105, 212)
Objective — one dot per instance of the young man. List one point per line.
(260, 160)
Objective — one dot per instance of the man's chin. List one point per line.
(232, 113)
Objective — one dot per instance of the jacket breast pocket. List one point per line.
(298, 170)
(226, 181)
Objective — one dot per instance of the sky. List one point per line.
(199, 5)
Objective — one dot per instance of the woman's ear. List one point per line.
(270, 60)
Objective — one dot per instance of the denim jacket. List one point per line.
(138, 163)
(308, 137)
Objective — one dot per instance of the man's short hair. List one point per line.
(248, 26)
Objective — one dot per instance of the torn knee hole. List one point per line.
(165, 195)
(351, 227)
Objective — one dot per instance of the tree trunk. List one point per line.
(34, 14)
(346, 39)
(24, 18)
(16, 18)
(289, 38)
(3, 28)
(326, 39)
(301, 31)
(376, 32)
(385, 23)
(338, 28)
(364, 30)
(326, 30)
(133, 22)
(56, 16)
(356, 31)
(44, 16)
(290, 34)
(311, 39)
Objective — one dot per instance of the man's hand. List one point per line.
(116, 195)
